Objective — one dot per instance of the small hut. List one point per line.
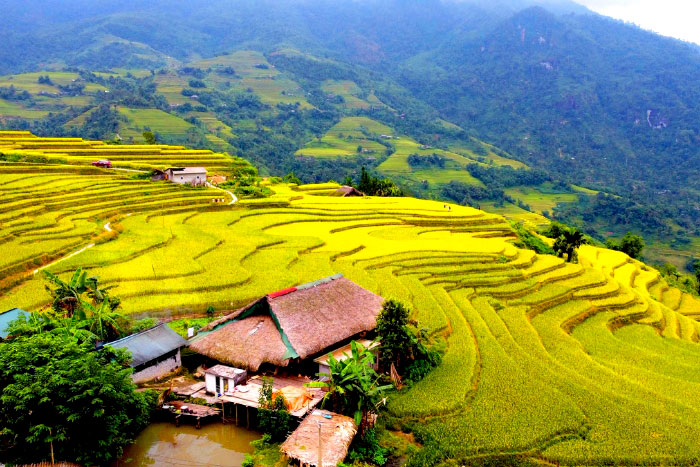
(322, 439)
(155, 352)
(345, 191)
(292, 324)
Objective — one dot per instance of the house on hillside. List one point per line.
(7, 317)
(348, 191)
(155, 352)
(291, 325)
(195, 176)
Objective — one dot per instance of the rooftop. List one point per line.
(188, 170)
(7, 317)
(337, 432)
(150, 344)
(297, 322)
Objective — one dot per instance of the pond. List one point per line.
(164, 444)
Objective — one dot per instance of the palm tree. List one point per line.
(567, 243)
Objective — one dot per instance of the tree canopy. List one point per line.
(62, 396)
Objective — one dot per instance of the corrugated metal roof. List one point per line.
(7, 317)
(150, 344)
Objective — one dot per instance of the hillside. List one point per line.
(575, 364)
(553, 87)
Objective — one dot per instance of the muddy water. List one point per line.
(164, 444)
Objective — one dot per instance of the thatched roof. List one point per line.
(244, 344)
(337, 433)
(296, 322)
(348, 191)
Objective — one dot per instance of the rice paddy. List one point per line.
(76, 151)
(586, 364)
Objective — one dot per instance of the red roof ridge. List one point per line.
(279, 293)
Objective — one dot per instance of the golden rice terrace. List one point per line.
(593, 363)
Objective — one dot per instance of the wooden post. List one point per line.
(223, 418)
(320, 446)
(236, 405)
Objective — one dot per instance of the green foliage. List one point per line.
(58, 392)
(149, 137)
(567, 243)
(366, 448)
(396, 341)
(529, 240)
(373, 186)
(274, 418)
(353, 387)
(632, 245)
(291, 178)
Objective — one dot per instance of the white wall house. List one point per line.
(187, 176)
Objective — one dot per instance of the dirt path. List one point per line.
(234, 199)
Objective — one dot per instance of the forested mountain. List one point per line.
(589, 100)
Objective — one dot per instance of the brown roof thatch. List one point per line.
(336, 435)
(297, 322)
(348, 191)
(244, 344)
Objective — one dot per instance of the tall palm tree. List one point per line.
(567, 243)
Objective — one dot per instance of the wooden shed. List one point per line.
(155, 352)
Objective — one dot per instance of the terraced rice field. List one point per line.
(140, 120)
(256, 73)
(76, 151)
(571, 364)
(343, 139)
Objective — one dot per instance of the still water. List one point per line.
(164, 444)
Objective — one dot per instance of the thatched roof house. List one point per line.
(348, 191)
(290, 324)
(337, 433)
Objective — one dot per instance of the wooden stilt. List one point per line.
(236, 405)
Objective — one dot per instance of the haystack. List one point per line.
(337, 433)
(293, 323)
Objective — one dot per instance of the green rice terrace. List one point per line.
(593, 363)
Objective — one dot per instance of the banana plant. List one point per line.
(352, 386)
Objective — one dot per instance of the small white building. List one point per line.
(155, 352)
(222, 379)
(195, 176)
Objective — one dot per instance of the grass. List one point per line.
(589, 364)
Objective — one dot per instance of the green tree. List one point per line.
(149, 137)
(567, 243)
(273, 416)
(64, 398)
(630, 244)
(696, 269)
(291, 178)
(396, 340)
